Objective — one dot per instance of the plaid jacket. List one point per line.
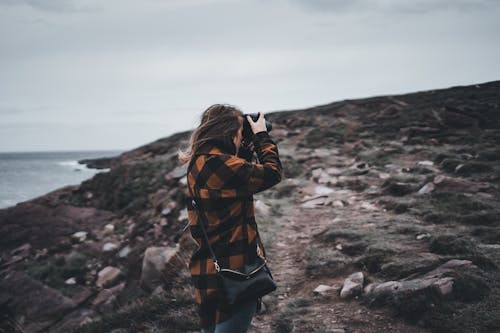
(224, 182)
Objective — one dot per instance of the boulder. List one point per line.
(159, 265)
(353, 285)
(108, 276)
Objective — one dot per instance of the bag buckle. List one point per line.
(216, 264)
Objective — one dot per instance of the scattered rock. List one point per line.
(338, 204)
(124, 252)
(425, 163)
(261, 208)
(314, 202)
(166, 211)
(79, 236)
(159, 265)
(323, 190)
(323, 289)
(183, 216)
(353, 285)
(108, 295)
(427, 188)
(108, 247)
(368, 206)
(423, 236)
(109, 229)
(108, 276)
(70, 281)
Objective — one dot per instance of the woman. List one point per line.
(223, 178)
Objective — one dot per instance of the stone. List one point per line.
(79, 236)
(24, 292)
(108, 247)
(159, 265)
(384, 175)
(261, 208)
(108, 276)
(314, 202)
(109, 229)
(323, 190)
(105, 294)
(444, 286)
(353, 285)
(338, 204)
(427, 188)
(70, 281)
(423, 236)
(124, 252)
(368, 206)
(321, 176)
(183, 215)
(425, 163)
(334, 171)
(323, 289)
(166, 211)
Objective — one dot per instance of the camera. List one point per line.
(247, 130)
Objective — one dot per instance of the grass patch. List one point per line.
(175, 313)
(290, 311)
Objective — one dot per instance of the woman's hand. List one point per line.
(259, 125)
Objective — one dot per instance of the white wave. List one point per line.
(73, 164)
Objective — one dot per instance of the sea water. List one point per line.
(27, 175)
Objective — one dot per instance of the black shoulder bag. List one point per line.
(250, 282)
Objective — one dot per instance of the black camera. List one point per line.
(247, 130)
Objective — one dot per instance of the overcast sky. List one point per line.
(116, 74)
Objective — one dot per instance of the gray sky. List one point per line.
(116, 74)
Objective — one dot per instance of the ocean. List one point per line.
(27, 175)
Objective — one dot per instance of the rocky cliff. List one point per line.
(387, 220)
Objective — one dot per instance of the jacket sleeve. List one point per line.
(248, 177)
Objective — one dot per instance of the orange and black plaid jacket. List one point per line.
(222, 182)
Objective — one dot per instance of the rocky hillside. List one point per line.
(388, 220)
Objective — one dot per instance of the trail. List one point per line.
(293, 232)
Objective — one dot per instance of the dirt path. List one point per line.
(294, 306)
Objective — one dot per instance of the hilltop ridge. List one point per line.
(391, 204)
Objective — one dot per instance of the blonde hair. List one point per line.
(219, 124)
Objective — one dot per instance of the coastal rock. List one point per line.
(158, 265)
(108, 247)
(79, 236)
(353, 285)
(109, 229)
(323, 289)
(108, 276)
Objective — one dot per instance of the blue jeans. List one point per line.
(239, 322)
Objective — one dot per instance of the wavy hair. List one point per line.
(219, 125)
